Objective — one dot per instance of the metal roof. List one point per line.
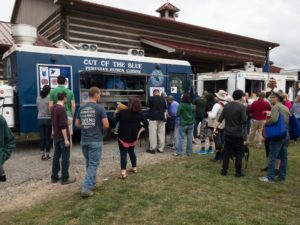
(6, 39)
(191, 49)
(144, 18)
(168, 6)
(164, 23)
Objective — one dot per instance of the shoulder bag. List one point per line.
(276, 131)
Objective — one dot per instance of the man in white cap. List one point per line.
(213, 117)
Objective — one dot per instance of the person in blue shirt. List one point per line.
(173, 121)
(92, 120)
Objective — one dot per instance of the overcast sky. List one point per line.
(271, 20)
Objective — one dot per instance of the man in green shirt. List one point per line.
(70, 104)
(7, 144)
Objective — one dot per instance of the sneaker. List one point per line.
(87, 194)
(223, 173)
(240, 175)
(69, 181)
(159, 151)
(282, 181)
(93, 188)
(214, 160)
(2, 178)
(175, 154)
(150, 151)
(170, 146)
(48, 157)
(209, 151)
(132, 170)
(265, 179)
(264, 169)
(202, 152)
(53, 181)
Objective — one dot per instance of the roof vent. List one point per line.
(168, 11)
(24, 34)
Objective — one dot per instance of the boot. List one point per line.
(2, 178)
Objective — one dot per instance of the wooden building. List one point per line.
(116, 30)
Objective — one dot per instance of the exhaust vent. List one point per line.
(136, 52)
(88, 47)
(24, 34)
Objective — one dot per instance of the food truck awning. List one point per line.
(173, 46)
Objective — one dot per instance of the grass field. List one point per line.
(188, 191)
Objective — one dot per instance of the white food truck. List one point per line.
(250, 82)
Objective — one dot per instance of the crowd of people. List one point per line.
(230, 124)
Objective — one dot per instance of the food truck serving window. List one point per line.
(115, 87)
(213, 86)
(112, 81)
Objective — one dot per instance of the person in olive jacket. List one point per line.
(186, 114)
(7, 144)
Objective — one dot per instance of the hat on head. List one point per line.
(222, 95)
(278, 95)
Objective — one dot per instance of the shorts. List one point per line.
(205, 131)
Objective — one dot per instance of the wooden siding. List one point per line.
(111, 31)
(53, 27)
(34, 12)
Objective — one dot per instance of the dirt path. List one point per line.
(29, 177)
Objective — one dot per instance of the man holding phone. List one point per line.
(61, 135)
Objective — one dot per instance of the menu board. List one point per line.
(47, 75)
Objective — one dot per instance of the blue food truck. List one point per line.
(28, 68)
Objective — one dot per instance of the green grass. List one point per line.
(188, 191)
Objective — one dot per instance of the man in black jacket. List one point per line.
(235, 117)
(7, 144)
(157, 122)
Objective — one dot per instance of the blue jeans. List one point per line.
(220, 140)
(188, 130)
(92, 152)
(278, 150)
(60, 150)
(45, 129)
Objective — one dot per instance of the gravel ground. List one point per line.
(29, 177)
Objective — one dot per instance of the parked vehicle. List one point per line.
(28, 68)
(250, 82)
